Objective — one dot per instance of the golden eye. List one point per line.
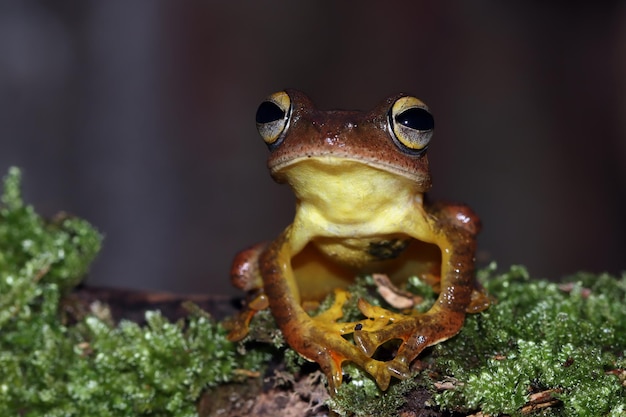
(412, 124)
(272, 117)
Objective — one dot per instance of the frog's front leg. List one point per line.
(318, 338)
(246, 276)
(454, 231)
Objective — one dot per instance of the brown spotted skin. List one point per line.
(359, 210)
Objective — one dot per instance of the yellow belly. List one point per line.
(359, 253)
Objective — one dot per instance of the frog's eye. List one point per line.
(412, 124)
(272, 117)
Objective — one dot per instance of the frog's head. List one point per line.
(307, 142)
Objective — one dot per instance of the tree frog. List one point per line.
(360, 180)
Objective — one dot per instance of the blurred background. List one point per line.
(139, 117)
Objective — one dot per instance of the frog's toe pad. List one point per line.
(378, 370)
(398, 369)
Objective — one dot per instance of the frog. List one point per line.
(360, 180)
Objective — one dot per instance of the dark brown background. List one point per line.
(139, 116)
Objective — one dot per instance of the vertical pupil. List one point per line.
(269, 112)
(416, 118)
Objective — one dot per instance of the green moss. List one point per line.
(360, 396)
(92, 367)
(38, 259)
(540, 336)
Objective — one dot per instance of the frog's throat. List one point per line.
(347, 198)
(281, 169)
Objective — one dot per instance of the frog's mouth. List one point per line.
(336, 162)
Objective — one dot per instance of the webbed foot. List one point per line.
(415, 332)
(323, 339)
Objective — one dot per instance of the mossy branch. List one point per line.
(542, 349)
(89, 366)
